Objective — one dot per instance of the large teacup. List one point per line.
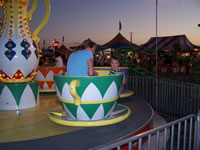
(90, 97)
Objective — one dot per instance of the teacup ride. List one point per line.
(17, 96)
(45, 77)
(124, 92)
(89, 100)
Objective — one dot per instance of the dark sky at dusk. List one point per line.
(78, 20)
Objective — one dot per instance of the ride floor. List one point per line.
(33, 130)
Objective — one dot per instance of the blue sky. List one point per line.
(78, 20)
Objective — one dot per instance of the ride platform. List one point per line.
(32, 129)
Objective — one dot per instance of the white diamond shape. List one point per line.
(111, 91)
(81, 115)
(66, 93)
(50, 75)
(27, 99)
(7, 101)
(91, 93)
(39, 76)
(45, 86)
(99, 114)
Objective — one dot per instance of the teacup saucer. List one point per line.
(119, 114)
(125, 93)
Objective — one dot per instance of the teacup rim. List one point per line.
(119, 74)
(107, 67)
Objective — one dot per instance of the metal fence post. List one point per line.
(197, 142)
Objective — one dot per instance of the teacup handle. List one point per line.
(72, 88)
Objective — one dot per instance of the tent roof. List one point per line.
(174, 43)
(118, 41)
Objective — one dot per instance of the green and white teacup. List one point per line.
(90, 97)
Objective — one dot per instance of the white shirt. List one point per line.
(59, 61)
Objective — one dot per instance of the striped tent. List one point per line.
(173, 43)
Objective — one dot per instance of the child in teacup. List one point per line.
(114, 63)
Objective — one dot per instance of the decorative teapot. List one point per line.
(18, 45)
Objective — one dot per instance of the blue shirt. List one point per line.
(77, 64)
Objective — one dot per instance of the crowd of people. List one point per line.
(83, 59)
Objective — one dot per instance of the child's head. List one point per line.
(114, 62)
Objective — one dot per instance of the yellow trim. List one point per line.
(52, 67)
(7, 9)
(48, 90)
(64, 76)
(15, 15)
(16, 80)
(126, 95)
(110, 67)
(90, 102)
(45, 80)
(89, 123)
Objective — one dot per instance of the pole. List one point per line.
(131, 35)
(156, 38)
(156, 55)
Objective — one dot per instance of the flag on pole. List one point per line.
(63, 39)
(120, 25)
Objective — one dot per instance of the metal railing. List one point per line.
(179, 134)
(170, 98)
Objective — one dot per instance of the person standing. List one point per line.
(58, 59)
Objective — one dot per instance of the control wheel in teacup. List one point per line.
(89, 100)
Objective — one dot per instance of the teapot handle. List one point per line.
(32, 10)
(45, 19)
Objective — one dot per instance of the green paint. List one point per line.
(59, 81)
(118, 107)
(17, 90)
(102, 83)
(72, 108)
(34, 87)
(1, 88)
(90, 109)
(118, 82)
(107, 107)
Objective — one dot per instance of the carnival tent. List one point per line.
(172, 43)
(118, 41)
